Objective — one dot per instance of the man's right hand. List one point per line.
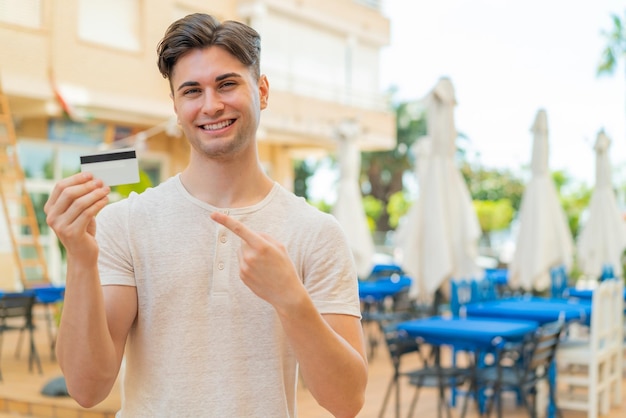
(71, 210)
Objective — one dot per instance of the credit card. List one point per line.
(113, 167)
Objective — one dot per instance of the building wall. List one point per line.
(321, 58)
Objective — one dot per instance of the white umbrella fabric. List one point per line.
(603, 237)
(442, 242)
(544, 239)
(348, 208)
(410, 224)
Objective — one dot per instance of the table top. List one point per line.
(541, 310)
(43, 294)
(381, 288)
(49, 294)
(584, 294)
(476, 332)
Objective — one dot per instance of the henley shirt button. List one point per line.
(223, 239)
(220, 266)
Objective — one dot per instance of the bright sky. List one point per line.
(507, 60)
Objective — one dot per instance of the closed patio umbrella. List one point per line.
(544, 239)
(441, 240)
(603, 237)
(348, 208)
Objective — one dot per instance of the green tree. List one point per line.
(373, 210)
(493, 215)
(574, 198)
(385, 169)
(615, 48)
(397, 207)
(493, 185)
(303, 170)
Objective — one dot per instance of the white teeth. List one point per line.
(216, 126)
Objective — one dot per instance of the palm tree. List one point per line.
(615, 47)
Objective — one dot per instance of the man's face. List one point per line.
(218, 101)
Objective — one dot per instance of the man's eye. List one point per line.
(227, 84)
(191, 92)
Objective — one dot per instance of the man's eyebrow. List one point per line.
(227, 75)
(188, 84)
(217, 79)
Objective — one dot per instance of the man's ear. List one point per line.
(264, 91)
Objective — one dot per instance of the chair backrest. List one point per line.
(607, 316)
(558, 281)
(464, 291)
(484, 290)
(539, 351)
(16, 305)
(398, 342)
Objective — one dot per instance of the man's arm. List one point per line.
(329, 348)
(94, 322)
(332, 358)
(92, 335)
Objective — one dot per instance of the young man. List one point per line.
(217, 283)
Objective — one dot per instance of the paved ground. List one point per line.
(23, 387)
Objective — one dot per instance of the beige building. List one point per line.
(96, 60)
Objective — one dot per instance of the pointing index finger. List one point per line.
(236, 227)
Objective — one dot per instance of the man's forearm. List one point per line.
(85, 349)
(333, 366)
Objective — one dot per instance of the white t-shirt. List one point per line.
(203, 344)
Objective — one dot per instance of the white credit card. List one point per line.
(114, 167)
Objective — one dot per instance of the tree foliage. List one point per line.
(615, 48)
(493, 215)
(493, 184)
(384, 169)
(303, 170)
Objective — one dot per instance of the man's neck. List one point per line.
(227, 184)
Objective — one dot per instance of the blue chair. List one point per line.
(558, 282)
(484, 290)
(462, 292)
(18, 306)
(499, 277)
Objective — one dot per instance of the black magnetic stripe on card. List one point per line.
(114, 156)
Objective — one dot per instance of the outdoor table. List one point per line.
(377, 290)
(582, 294)
(386, 268)
(372, 294)
(49, 294)
(537, 309)
(477, 335)
(542, 310)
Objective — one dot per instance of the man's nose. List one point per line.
(212, 102)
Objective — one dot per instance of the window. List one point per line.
(113, 23)
(21, 12)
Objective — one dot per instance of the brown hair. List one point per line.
(200, 30)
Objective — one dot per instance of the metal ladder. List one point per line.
(17, 206)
